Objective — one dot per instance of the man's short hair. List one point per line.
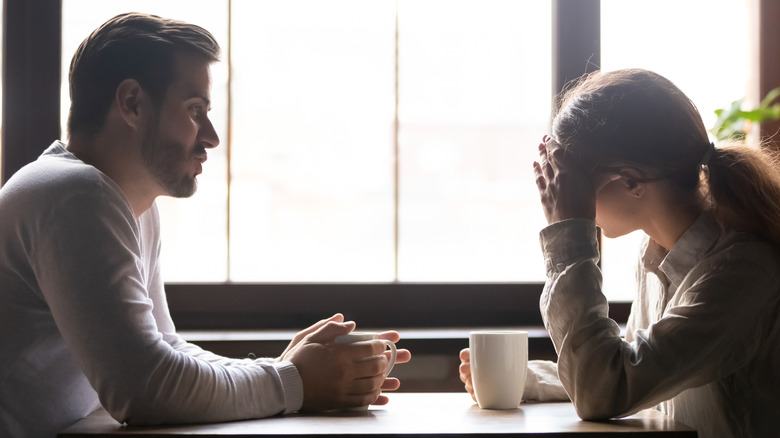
(129, 46)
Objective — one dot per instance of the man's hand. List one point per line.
(403, 355)
(465, 371)
(341, 375)
(339, 318)
(565, 189)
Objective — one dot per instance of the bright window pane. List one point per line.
(312, 161)
(2, 20)
(475, 86)
(700, 45)
(193, 230)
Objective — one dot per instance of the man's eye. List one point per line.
(197, 111)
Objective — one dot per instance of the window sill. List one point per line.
(416, 334)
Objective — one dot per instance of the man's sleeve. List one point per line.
(92, 274)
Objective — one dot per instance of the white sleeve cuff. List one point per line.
(542, 382)
(292, 385)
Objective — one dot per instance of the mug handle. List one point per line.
(393, 354)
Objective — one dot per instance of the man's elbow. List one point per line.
(133, 407)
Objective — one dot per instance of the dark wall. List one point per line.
(31, 80)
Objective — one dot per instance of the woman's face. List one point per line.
(617, 208)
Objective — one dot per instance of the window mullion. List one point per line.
(576, 40)
(396, 161)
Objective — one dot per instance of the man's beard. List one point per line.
(163, 159)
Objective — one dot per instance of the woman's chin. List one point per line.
(611, 233)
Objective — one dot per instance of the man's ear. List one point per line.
(131, 101)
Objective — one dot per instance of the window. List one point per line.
(313, 123)
(392, 140)
(326, 98)
(474, 101)
(2, 20)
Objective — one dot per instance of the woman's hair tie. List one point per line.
(707, 155)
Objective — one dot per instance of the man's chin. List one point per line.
(184, 189)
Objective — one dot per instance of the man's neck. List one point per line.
(121, 162)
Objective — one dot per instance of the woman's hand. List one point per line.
(566, 190)
(465, 371)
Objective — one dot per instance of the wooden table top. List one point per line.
(408, 414)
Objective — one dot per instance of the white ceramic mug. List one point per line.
(499, 363)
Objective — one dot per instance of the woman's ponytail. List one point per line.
(743, 185)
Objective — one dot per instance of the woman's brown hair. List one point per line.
(640, 119)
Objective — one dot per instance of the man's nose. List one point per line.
(208, 135)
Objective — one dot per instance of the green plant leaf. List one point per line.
(770, 97)
(732, 122)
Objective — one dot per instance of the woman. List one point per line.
(629, 152)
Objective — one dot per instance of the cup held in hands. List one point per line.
(369, 336)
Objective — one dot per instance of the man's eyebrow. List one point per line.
(201, 97)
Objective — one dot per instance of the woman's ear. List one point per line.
(131, 100)
(633, 182)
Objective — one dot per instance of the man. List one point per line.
(83, 316)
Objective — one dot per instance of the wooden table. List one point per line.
(427, 415)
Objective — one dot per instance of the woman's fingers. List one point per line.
(544, 161)
(565, 189)
(543, 170)
(541, 181)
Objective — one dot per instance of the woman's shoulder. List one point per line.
(744, 258)
(728, 247)
(738, 245)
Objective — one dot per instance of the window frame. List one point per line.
(281, 306)
(31, 81)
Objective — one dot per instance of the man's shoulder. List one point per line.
(53, 176)
(52, 186)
